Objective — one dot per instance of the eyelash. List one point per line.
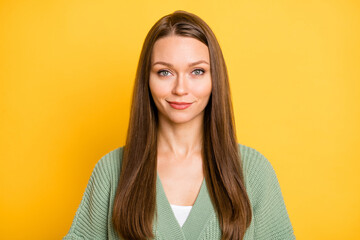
(203, 72)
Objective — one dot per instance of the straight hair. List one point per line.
(135, 200)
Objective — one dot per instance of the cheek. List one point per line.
(157, 89)
(202, 90)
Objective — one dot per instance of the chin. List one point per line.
(181, 118)
(177, 120)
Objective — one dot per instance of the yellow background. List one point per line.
(66, 74)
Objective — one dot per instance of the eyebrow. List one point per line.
(191, 64)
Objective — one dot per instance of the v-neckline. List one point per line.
(196, 220)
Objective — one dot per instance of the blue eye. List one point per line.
(163, 71)
(199, 71)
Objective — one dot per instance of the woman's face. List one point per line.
(180, 73)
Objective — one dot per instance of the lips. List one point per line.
(179, 105)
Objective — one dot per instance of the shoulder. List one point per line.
(253, 161)
(92, 216)
(270, 217)
(108, 166)
(259, 174)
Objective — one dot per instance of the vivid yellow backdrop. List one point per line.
(66, 76)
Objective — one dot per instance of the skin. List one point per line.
(179, 160)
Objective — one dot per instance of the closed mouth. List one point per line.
(180, 103)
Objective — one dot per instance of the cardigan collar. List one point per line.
(167, 224)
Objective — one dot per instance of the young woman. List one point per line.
(181, 173)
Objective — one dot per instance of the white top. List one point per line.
(181, 213)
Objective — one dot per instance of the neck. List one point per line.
(180, 139)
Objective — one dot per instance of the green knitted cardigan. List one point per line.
(270, 218)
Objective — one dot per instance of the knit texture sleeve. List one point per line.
(91, 218)
(271, 220)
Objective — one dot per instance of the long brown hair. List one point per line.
(135, 200)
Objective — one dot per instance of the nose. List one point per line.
(180, 85)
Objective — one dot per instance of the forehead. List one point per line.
(179, 49)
